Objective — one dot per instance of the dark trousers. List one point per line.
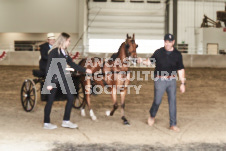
(51, 98)
(160, 86)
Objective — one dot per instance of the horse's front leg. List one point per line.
(123, 95)
(115, 104)
(83, 113)
(87, 94)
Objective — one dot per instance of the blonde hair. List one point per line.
(60, 42)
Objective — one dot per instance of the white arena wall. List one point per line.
(39, 16)
(146, 20)
(31, 19)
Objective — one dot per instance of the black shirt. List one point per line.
(167, 62)
(44, 48)
(55, 53)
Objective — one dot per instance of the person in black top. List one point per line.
(44, 48)
(169, 62)
(59, 51)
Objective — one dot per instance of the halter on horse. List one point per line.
(115, 76)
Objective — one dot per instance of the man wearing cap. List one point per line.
(168, 61)
(44, 48)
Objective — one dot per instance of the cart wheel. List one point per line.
(28, 95)
(80, 96)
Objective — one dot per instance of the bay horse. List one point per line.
(114, 75)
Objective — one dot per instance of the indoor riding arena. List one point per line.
(99, 28)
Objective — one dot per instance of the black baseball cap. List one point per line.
(169, 37)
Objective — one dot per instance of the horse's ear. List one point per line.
(127, 36)
(133, 36)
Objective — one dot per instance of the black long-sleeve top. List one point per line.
(58, 54)
(169, 61)
(44, 48)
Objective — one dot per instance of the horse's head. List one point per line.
(131, 47)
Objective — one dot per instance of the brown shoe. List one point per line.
(175, 129)
(151, 121)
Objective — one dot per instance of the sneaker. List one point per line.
(49, 126)
(69, 124)
(151, 121)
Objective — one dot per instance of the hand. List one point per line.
(182, 88)
(49, 87)
(70, 69)
(89, 71)
(139, 60)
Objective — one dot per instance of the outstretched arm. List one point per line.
(145, 62)
(148, 61)
(78, 67)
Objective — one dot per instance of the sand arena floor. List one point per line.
(201, 112)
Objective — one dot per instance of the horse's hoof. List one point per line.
(83, 113)
(126, 123)
(108, 113)
(93, 118)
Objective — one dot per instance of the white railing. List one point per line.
(144, 48)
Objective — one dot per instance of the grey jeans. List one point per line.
(160, 86)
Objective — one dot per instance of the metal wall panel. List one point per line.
(108, 20)
(113, 20)
(190, 16)
(39, 16)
